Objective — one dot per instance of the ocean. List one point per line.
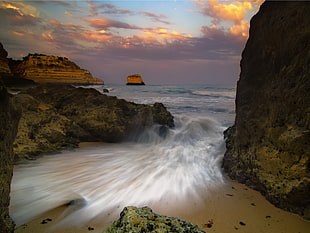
(148, 170)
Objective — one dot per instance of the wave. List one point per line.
(151, 170)
(215, 94)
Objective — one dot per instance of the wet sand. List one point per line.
(233, 208)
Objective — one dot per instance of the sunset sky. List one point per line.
(166, 41)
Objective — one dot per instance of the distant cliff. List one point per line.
(53, 69)
(268, 147)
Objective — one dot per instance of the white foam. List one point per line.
(186, 164)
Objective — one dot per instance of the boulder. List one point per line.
(268, 147)
(55, 116)
(133, 219)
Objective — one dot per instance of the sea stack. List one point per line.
(268, 147)
(52, 69)
(135, 79)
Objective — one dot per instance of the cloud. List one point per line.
(18, 33)
(106, 8)
(232, 11)
(105, 24)
(155, 17)
(18, 13)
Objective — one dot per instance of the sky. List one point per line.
(166, 41)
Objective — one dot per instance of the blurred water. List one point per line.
(148, 170)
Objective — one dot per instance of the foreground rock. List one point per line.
(268, 147)
(59, 116)
(133, 219)
(9, 118)
(52, 69)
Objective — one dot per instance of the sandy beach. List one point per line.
(233, 208)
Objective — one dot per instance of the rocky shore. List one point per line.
(268, 146)
(59, 116)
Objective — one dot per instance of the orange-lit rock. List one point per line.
(135, 79)
(53, 69)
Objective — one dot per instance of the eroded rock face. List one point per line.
(58, 116)
(4, 67)
(9, 117)
(53, 69)
(133, 219)
(268, 147)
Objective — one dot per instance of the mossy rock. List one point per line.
(139, 220)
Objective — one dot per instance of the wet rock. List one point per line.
(268, 146)
(57, 116)
(133, 219)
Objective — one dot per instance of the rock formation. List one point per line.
(5, 70)
(135, 79)
(53, 69)
(268, 147)
(9, 118)
(58, 116)
(133, 219)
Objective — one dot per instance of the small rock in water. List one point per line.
(45, 221)
(91, 228)
(209, 224)
(80, 202)
(242, 223)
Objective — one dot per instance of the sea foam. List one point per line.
(147, 170)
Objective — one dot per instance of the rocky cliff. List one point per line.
(9, 118)
(4, 64)
(133, 219)
(57, 116)
(268, 147)
(53, 69)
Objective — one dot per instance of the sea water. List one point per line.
(147, 170)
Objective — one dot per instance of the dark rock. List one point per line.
(268, 146)
(42, 129)
(242, 223)
(9, 117)
(133, 219)
(58, 116)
